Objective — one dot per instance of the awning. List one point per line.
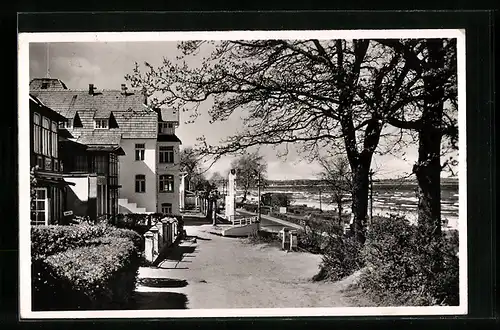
(72, 144)
(52, 179)
(107, 148)
(168, 138)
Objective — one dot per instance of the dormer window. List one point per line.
(101, 123)
(68, 123)
(166, 128)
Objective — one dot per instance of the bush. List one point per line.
(341, 258)
(101, 275)
(48, 240)
(400, 268)
(126, 233)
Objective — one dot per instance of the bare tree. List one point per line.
(190, 163)
(249, 167)
(337, 176)
(217, 179)
(313, 94)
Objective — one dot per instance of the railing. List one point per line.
(244, 221)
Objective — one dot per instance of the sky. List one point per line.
(105, 64)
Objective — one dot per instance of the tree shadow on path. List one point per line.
(158, 300)
(162, 282)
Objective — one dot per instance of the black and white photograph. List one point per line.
(242, 173)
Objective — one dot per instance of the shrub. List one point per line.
(126, 233)
(101, 275)
(341, 258)
(400, 268)
(48, 240)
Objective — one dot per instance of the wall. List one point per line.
(173, 169)
(129, 167)
(77, 195)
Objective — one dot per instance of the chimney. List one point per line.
(91, 89)
(124, 89)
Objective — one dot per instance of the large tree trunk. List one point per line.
(428, 167)
(360, 199)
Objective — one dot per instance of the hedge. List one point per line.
(83, 266)
(101, 275)
(399, 268)
(49, 240)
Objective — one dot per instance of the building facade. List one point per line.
(167, 164)
(48, 186)
(123, 118)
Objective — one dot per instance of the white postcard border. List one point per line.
(24, 39)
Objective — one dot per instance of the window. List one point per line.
(140, 183)
(53, 140)
(81, 163)
(99, 164)
(101, 123)
(37, 131)
(139, 151)
(166, 183)
(166, 208)
(68, 123)
(39, 162)
(166, 154)
(166, 128)
(40, 211)
(46, 136)
(113, 165)
(45, 85)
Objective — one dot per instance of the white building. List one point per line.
(149, 170)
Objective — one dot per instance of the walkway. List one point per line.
(271, 223)
(211, 271)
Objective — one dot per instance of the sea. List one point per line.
(386, 200)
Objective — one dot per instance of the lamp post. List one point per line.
(258, 197)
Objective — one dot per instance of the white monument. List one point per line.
(182, 191)
(231, 196)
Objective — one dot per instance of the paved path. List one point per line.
(222, 272)
(271, 223)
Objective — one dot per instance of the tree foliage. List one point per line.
(312, 94)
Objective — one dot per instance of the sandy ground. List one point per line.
(221, 272)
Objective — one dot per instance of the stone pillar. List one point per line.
(293, 240)
(154, 231)
(148, 246)
(165, 224)
(285, 238)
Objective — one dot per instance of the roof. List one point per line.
(47, 84)
(108, 148)
(168, 138)
(96, 137)
(133, 117)
(168, 114)
(44, 110)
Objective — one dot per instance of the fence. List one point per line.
(161, 235)
(244, 221)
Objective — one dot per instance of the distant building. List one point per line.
(148, 178)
